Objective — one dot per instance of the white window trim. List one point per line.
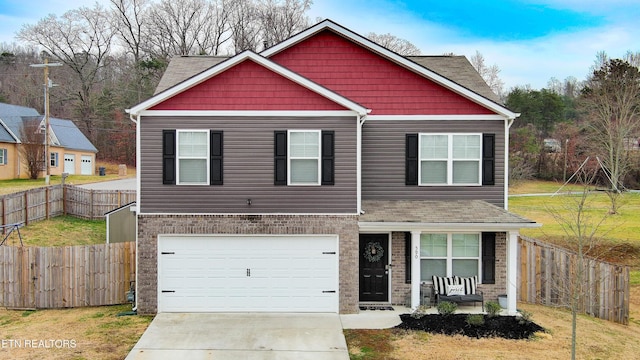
(53, 156)
(3, 156)
(449, 160)
(449, 258)
(318, 158)
(206, 157)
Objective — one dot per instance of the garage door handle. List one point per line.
(328, 291)
(328, 253)
(168, 291)
(168, 253)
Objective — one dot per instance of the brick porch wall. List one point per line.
(400, 290)
(150, 226)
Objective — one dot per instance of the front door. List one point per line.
(374, 273)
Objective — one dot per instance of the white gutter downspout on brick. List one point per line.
(137, 122)
(512, 235)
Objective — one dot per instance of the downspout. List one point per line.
(361, 120)
(137, 122)
(507, 125)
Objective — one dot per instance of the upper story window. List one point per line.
(304, 157)
(3, 157)
(450, 159)
(192, 157)
(449, 255)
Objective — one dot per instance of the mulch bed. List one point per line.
(508, 327)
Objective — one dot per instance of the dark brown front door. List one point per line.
(374, 275)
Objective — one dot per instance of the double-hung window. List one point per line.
(192, 157)
(304, 157)
(3, 157)
(53, 160)
(450, 159)
(451, 254)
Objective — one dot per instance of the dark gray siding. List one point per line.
(248, 169)
(383, 161)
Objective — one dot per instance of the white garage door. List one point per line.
(87, 165)
(247, 273)
(70, 164)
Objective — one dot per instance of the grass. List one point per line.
(16, 185)
(95, 332)
(61, 231)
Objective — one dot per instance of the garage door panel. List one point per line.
(242, 273)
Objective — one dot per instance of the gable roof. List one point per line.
(477, 94)
(231, 62)
(12, 118)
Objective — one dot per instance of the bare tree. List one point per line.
(584, 232)
(32, 147)
(490, 74)
(245, 27)
(281, 19)
(611, 100)
(217, 30)
(81, 39)
(395, 44)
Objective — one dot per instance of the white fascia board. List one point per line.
(328, 24)
(252, 113)
(434, 117)
(17, 139)
(416, 226)
(248, 55)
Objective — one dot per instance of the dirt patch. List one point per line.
(507, 327)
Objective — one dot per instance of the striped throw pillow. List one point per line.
(440, 284)
(470, 284)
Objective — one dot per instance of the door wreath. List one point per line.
(373, 251)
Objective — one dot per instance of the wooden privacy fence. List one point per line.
(69, 276)
(548, 274)
(51, 201)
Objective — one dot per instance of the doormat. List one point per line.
(377, 307)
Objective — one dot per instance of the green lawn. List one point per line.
(61, 231)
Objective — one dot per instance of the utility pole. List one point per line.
(47, 84)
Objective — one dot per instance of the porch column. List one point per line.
(415, 270)
(512, 271)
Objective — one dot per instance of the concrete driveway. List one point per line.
(121, 184)
(242, 336)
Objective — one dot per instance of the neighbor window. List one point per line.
(3, 156)
(304, 157)
(449, 255)
(54, 160)
(193, 157)
(450, 159)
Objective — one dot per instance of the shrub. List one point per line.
(419, 312)
(492, 308)
(525, 317)
(475, 319)
(446, 308)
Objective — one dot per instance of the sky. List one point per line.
(530, 41)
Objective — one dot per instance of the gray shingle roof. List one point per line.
(459, 70)
(438, 212)
(70, 137)
(183, 67)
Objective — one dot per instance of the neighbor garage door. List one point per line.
(247, 273)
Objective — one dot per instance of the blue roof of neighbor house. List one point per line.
(70, 136)
(11, 116)
(67, 133)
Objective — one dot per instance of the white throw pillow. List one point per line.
(455, 290)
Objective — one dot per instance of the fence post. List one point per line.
(26, 208)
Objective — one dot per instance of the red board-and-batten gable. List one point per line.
(251, 87)
(369, 79)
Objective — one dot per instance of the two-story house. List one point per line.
(325, 172)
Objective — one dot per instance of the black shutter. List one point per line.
(216, 152)
(489, 258)
(488, 159)
(280, 158)
(169, 157)
(407, 258)
(411, 159)
(328, 158)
